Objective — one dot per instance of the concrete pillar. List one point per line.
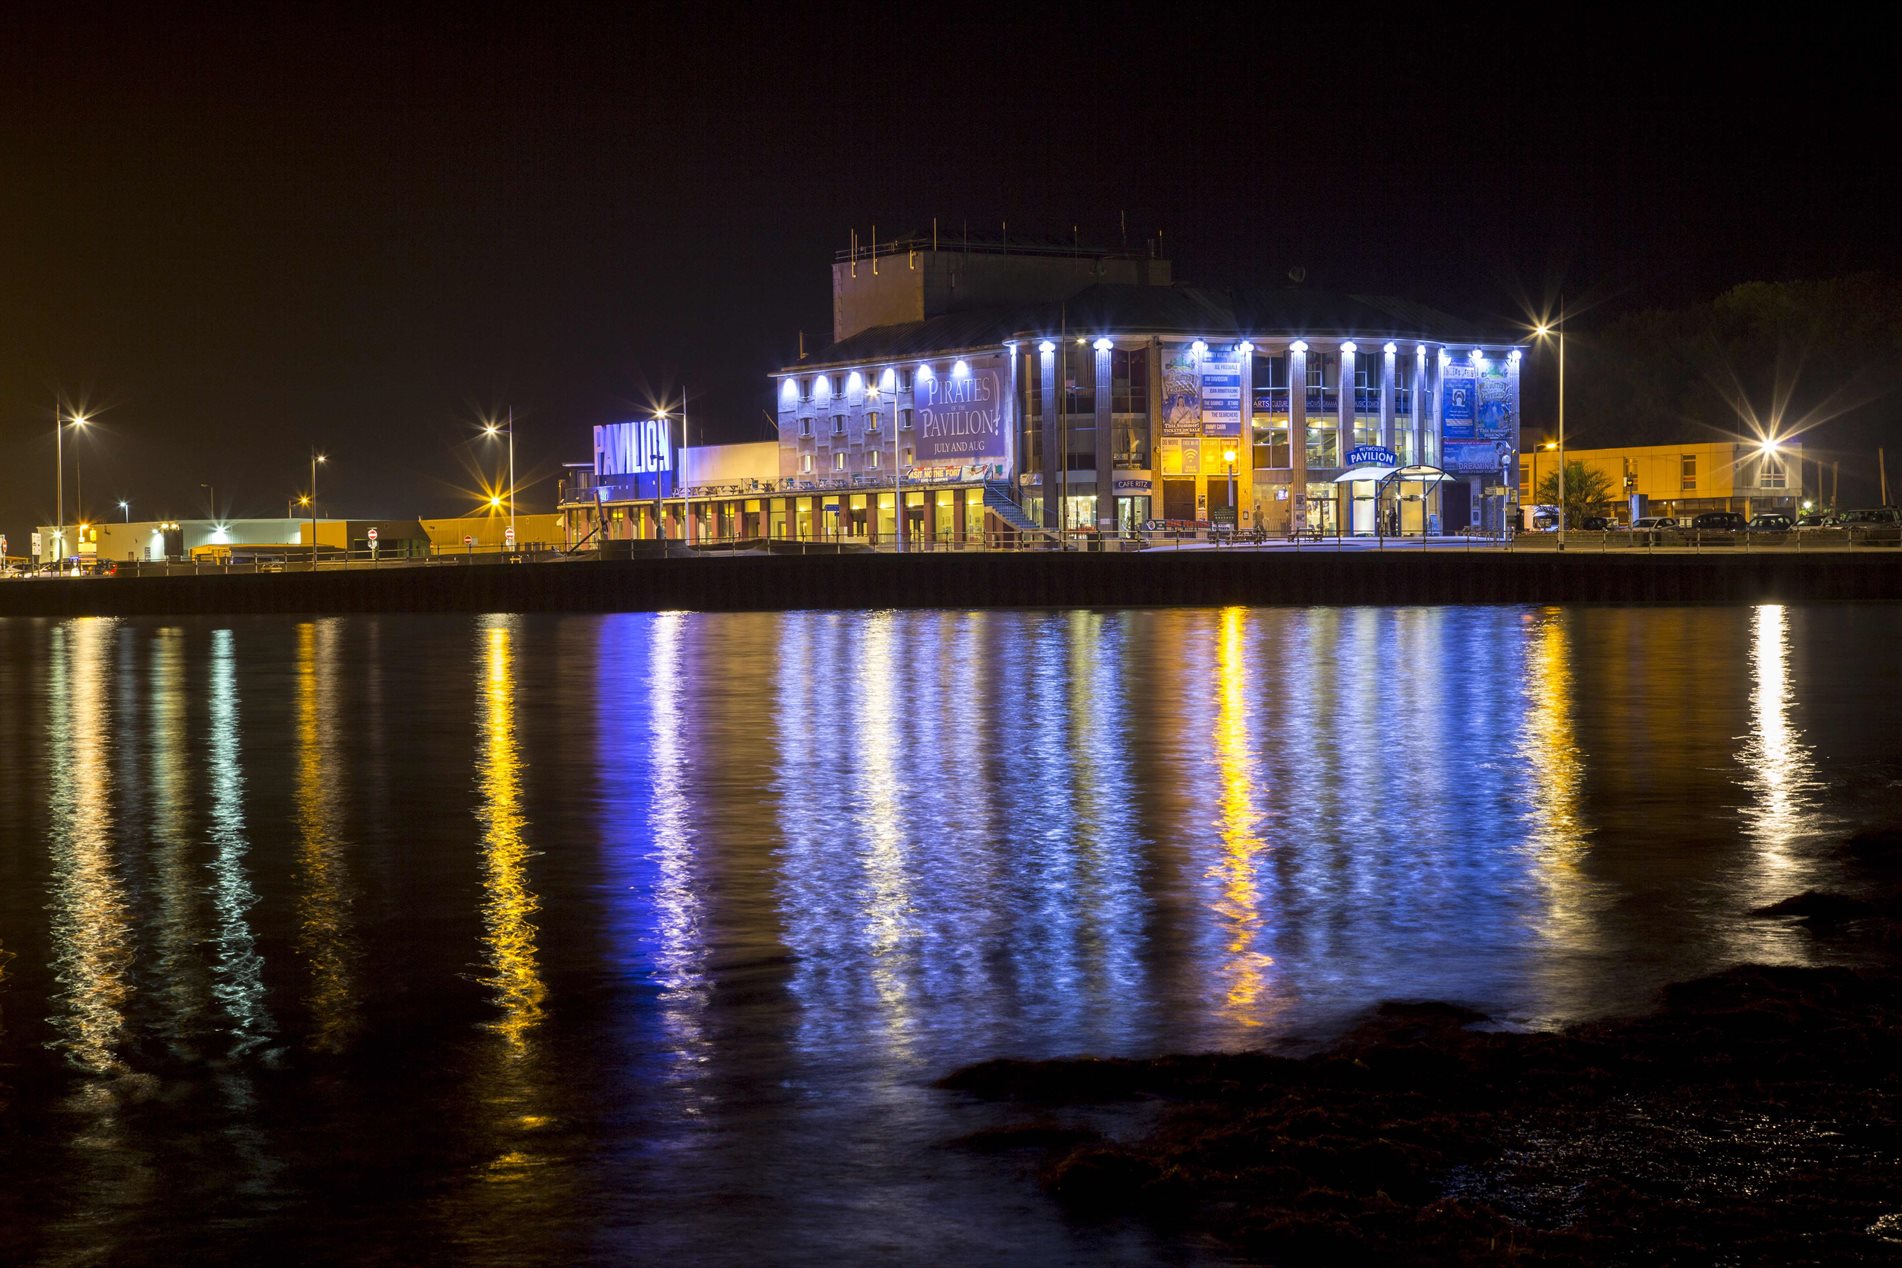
(1105, 444)
(1386, 397)
(1052, 406)
(1344, 434)
(1298, 435)
(1417, 398)
(1245, 446)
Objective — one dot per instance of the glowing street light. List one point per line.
(1557, 330)
(1228, 456)
(315, 458)
(492, 429)
(59, 477)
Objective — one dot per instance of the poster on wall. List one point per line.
(1464, 449)
(1181, 411)
(1221, 392)
(960, 417)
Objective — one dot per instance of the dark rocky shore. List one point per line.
(1754, 1117)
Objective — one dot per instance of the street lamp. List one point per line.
(492, 429)
(1228, 456)
(1557, 330)
(59, 478)
(315, 458)
(127, 508)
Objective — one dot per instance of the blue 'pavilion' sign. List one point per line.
(1372, 456)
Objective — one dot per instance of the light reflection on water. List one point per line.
(675, 916)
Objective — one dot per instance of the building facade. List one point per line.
(994, 388)
(1682, 480)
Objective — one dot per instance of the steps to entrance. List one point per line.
(998, 498)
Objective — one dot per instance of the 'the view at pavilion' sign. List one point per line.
(960, 415)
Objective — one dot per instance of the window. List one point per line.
(904, 420)
(838, 424)
(904, 380)
(1079, 381)
(871, 421)
(805, 427)
(871, 460)
(1129, 381)
(1525, 480)
(1688, 468)
(1771, 475)
(805, 462)
(838, 461)
(908, 455)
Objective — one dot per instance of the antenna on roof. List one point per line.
(934, 233)
(1122, 221)
(874, 250)
(1006, 225)
(802, 345)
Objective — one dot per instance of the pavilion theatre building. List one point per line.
(988, 388)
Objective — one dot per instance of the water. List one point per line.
(644, 936)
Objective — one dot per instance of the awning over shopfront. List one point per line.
(1413, 475)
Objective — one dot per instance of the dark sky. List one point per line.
(237, 234)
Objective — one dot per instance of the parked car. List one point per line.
(1594, 524)
(1720, 522)
(1771, 522)
(1871, 517)
(1653, 523)
(1805, 523)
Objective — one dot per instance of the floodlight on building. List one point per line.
(960, 369)
(1389, 347)
(924, 370)
(1299, 345)
(1046, 347)
(1478, 356)
(1769, 446)
(1103, 345)
(1199, 349)
(1244, 347)
(1348, 346)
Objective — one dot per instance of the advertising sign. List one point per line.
(1221, 392)
(1181, 410)
(960, 417)
(1459, 397)
(36, 543)
(636, 459)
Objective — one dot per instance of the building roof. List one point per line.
(1115, 309)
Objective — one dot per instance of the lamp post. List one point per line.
(1228, 458)
(127, 508)
(492, 429)
(315, 458)
(59, 479)
(1557, 329)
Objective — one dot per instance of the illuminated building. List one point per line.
(1682, 480)
(958, 372)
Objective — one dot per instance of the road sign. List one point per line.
(468, 540)
(3, 545)
(508, 534)
(373, 534)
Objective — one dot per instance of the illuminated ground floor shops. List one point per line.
(933, 515)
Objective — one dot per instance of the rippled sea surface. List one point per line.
(643, 937)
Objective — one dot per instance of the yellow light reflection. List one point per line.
(1246, 966)
(326, 936)
(1555, 827)
(508, 905)
(92, 951)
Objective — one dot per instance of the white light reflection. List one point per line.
(680, 959)
(181, 984)
(889, 929)
(1779, 768)
(238, 971)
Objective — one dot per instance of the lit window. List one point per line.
(805, 462)
(871, 421)
(838, 461)
(1688, 469)
(871, 459)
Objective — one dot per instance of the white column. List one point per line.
(1298, 434)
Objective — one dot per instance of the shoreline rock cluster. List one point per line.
(1754, 1116)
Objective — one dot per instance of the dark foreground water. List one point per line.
(642, 937)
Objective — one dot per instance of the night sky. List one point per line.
(235, 235)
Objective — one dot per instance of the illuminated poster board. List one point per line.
(1464, 448)
(1181, 402)
(1221, 393)
(634, 460)
(959, 415)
